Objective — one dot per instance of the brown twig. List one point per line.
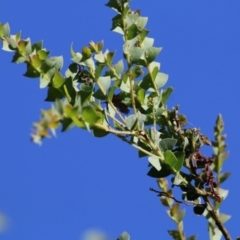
(219, 224)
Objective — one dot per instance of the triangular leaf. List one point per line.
(155, 162)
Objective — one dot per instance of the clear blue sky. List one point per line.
(75, 182)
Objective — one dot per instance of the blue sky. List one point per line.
(75, 182)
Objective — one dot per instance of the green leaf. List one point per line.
(135, 53)
(109, 57)
(67, 124)
(174, 234)
(58, 62)
(99, 132)
(180, 156)
(69, 90)
(28, 47)
(17, 58)
(199, 209)
(44, 81)
(12, 43)
(105, 83)
(161, 79)
(37, 46)
(192, 196)
(99, 95)
(166, 94)
(151, 53)
(224, 176)
(53, 94)
(114, 4)
(155, 162)
(224, 217)
(98, 70)
(141, 22)
(36, 61)
(5, 31)
(167, 144)
(43, 54)
(131, 122)
(31, 72)
(146, 82)
(119, 67)
(58, 80)
(170, 158)
(164, 172)
(137, 71)
(124, 236)
(132, 32)
(194, 237)
(90, 115)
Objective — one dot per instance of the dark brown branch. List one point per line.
(214, 215)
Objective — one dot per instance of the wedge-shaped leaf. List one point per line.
(99, 95)
(167, 144)
(119, 67)
(18, 58)
(141, 22)
(110, 56)
(99, 132)
(43, 54)
(53, 94)
(31, 72)
(136, 53)
(224, 217)
(58, 80)
(224, 176)
(12, 44)
(131, 122)
(194, 237)
(164, 172)
(104, 82)
(132, 32)
(223, 193)
(124, 236)
(166, 94)
(37, 46)
(58, 62)
(117, 25)
(36, 61)
(174, 234)
(90, 115)
(146, 82)
(155, 162)
(151, 53)
(161, 79)
(67, 124)
(5, 30)
(192, 196)
(6, 47)
(199, 209)
(69, 90)
(114, 4)
(147, 42)
(170, 158)
(44, 81)
(180, 156)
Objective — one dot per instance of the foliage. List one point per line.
(126, 98)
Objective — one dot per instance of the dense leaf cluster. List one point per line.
(125, 98)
